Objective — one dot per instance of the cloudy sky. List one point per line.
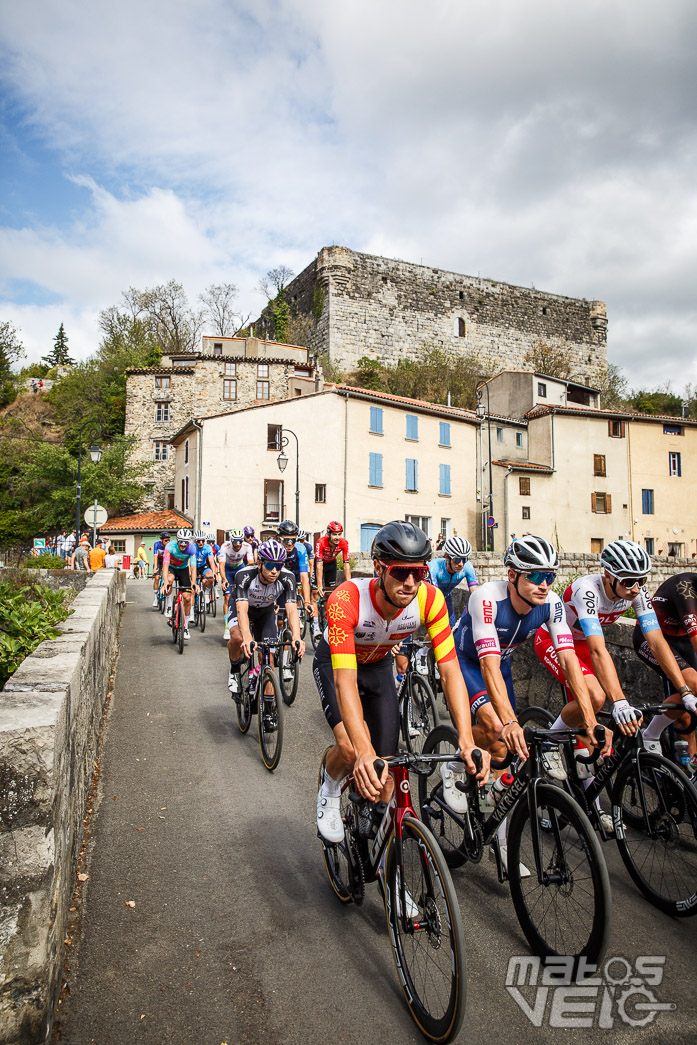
(529, 141)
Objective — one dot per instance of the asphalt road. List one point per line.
(235, 935)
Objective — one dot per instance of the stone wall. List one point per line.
(389, 310)
(50, 715)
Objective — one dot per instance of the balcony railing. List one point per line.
(272, 511)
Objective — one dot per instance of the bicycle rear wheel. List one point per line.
(175, 621)
(289, 670)
(427, 938)
(270, 719)
(201, 601)
(212, 602)
(568, 913)
(337, 858)
(243, 707)
(661, 855)
(419, 713)
(302, 615)
(181, 626)
(536, 716)
(433, 810)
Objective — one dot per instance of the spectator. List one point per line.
(34, 386)
(141, 563)
(111, 562)
(41, 386)
(97, 557)
(80, 559)
(62, 546)
(71, 542)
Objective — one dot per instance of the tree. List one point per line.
(275, 280)
(60, 355)
(613, 388)
(546, 359)
(165, 312)
(11, 349)
(658, 401)
(218, 307)
(280, 310)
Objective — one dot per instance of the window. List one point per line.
(648, 544)
(542, 389)
(526, 511)
(183, 494)
(461, 327)
(672, 429)
(601, 503)
(163, 382)
(231, 369)
(160, 451)
(119, 546)
(263, 390)
(444, 487)
(524, 486)
(217, 348)
(675, 549)
(412, 479)
(375, 474)
(229, 388)
(368, 531)
(186, 494)
(674, 463)
(162, 411)
(273, 437)
(615, 429)
(499, 435)
(647, 502)
(186, 452)
(445, 433)
(320, 493)
(519, 439)
(262, 369)
(445, 527)
(376, 420)
(412, 426)
(422, 521)
(598, 464)
(597, 545)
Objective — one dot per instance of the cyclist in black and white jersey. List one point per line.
(257, 588)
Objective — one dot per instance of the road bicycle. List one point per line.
(418, 713)
(654, 814)
(556, 873)
(288, 660)
(200, 608)
(302, 615)
(178, 619)
(387, 843)
(321, 616)
(261, 695)
(212, 601)
(160, 595)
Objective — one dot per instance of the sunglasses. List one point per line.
(272, 565)
(632, 582)
(540, 577)
(454, 561)
(288, 540)
(402, 573)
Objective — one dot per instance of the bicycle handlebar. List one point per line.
(592, 758)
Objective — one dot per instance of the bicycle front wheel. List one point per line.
(337, 856)
(213, 602)
(289, 671)
(175, 621)
(202, 611)
(433, 809)
(270, 719)
(425, 926)
(568, 912)
(654, 807)
(419, 713)
(181, 626)
(536, 716)
(302, 616)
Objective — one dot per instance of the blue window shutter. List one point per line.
(412, 426)
(412, 474)
(375, 470)
(445, 433)
(376, 419)
(679, 464)
(444, 478)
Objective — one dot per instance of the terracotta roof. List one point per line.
(618, 415)
(145, 521)
(526, 466)
(423, 404)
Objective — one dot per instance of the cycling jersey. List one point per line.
(447, 581)
(675, 603)
(235, 558)
(307, 545)
(296, 560)
(178, 559)
(358, 634)
(589, 610)
(202, 557)
(490, 626)
(327, 553)
(250, 588)
(158, 550)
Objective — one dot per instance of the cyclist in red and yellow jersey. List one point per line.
(352, 667)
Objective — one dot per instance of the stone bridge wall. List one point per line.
(50, 715)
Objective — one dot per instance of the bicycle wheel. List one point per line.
(244, 706)
(201, 598)
(289, 670)
(419, 713)
(181, 626)
(568, 913)
(337, 858)
(270, 719)
(536, 716)
(427, 941)
(314, 639)
(302, 615)
(433, 810)
(212, 602)
(175, 620)
(661, 856)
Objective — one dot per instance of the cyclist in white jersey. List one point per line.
(234, 553)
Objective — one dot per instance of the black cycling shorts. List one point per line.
(328, 574)
(682, 650)
(262, 622)
(378, 694)
(182, 575)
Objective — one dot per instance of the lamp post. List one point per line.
(96, 456)
(482, 412)
(282, 461)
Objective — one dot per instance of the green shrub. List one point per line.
(30, 615)
(45, 561)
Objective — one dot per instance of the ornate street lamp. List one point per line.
(282, 461)
(95, 456)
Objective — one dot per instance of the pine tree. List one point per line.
(59, 356)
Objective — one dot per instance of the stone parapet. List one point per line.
(50, 715)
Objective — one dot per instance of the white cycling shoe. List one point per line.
(524, 871)
(226, 634)
(329, 822)
(452, 773)
(553, 763)
(654, 746)
(607, 822)
(412, 906)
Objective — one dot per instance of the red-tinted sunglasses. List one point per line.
(402, 573)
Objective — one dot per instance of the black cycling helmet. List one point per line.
(164, 536)
(287, 528)
(401, 542)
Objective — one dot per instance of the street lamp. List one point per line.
(95, 455)
(483, 412)
(282, 461)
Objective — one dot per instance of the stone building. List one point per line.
(390, 310)
(227, 374)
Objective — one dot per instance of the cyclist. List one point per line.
(329, 547)
(353, 670)
(296, 558)
(257, 587)
(179, 560)
(592, 603)
(675, 605)
(303, 537)
(233, 555)
(206, 565)
(251, 540)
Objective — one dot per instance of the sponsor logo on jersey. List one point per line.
(483, 644)
(488, 610)
(369, 624)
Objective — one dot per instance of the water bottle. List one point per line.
(253, 678)
(500, 786)
(682, 756)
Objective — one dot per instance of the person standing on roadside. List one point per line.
(97, 557)
(80, 560)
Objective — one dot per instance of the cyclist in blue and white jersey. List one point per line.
(296, 559)
(158, 552)
(233, 555)
(179, 560)
(206, 563)
(304, 540)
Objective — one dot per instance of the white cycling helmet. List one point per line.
(184, 535)
(457, 548)
(200, 536)
(236, 535)
(531, 553)
(625, 559)
(302, 535)
(210, 537)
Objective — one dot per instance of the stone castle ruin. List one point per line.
(389, 310)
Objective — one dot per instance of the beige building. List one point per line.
(362, 458)
(229, 373)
